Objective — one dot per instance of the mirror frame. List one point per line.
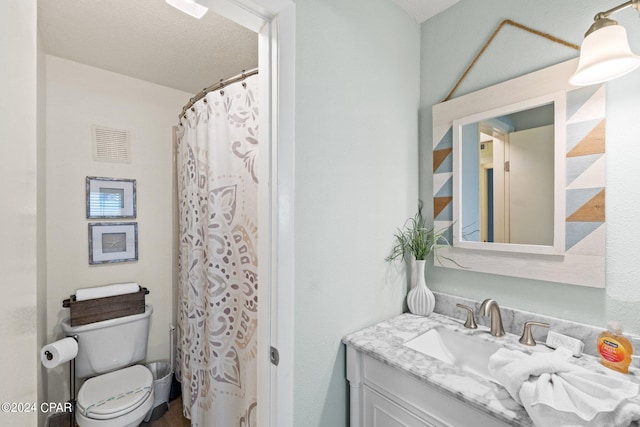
(559, 134)
(581, 259)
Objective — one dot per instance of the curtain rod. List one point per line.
(221, 84)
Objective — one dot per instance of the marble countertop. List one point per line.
(384, 342)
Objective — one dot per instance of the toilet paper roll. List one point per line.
(106, 291)
(58, 352)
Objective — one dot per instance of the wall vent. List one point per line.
(111, 145)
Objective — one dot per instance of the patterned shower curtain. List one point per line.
(217, 260)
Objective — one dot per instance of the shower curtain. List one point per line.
(217, 259)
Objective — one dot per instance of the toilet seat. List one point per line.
(116, 393)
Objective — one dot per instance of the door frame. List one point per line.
(274, 21)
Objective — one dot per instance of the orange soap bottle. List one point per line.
(614, 348)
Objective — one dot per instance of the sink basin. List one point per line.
(467, 352)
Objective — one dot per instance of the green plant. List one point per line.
(415, 239)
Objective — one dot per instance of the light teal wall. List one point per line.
(449, 42)
(357, 98)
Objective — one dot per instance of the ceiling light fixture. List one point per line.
(190, 7)
(605, 53)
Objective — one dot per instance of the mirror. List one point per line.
(507, 187)
(505, 160)
(524, 199)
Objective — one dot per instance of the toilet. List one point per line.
(118, 392)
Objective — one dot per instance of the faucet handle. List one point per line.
(527, 336)
(471, 321)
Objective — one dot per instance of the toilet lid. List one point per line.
(116, 393)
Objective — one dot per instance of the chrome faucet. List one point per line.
(471, 321)
(490, 307)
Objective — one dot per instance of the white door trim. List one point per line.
(274, 21)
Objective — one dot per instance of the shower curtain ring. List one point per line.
(244, 77)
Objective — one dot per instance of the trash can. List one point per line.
(162, 375)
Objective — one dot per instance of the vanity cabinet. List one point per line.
(383, 396)
(382, 412)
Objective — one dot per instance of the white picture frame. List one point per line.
(580, 260)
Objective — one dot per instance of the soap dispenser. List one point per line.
(614, 348)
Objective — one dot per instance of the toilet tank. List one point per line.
(110, 344)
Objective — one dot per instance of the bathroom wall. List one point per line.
(77, 97)
(449, 43)
(356, 180)
(41, 222)
(18, 216)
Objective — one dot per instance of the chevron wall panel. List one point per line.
(585, 195)
(443, 179)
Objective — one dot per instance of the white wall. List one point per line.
(357, 93)
(41, 222)
(449, 42)
(77, 97)
(18, 215)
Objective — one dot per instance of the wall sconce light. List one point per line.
(190, 7)
(605, 52)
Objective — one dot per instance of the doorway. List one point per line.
(273, 21)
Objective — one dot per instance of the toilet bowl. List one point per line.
(120, 398)
(118, 392)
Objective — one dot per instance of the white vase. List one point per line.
(420, 299)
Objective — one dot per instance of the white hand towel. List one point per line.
(106, 291)
(557, 393)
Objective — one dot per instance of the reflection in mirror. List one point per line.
(508, 176)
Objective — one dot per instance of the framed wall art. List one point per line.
(110, 197)
(111, 242)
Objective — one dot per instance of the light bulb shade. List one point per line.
(604, 55)
(190, 7)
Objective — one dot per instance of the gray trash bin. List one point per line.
(162, 375)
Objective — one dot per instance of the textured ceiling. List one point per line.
(421, 10)
(152, 41)
(148, 40)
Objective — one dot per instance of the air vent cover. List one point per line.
(111, 145)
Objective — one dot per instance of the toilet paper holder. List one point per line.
(72, 381)
(72, 384)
